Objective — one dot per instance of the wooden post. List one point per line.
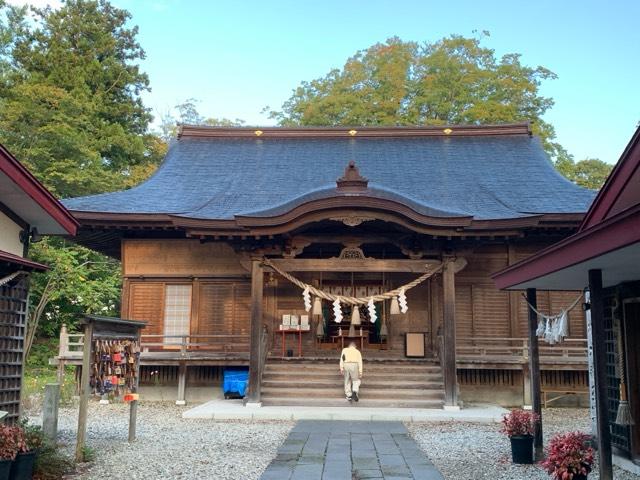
(526, 387)
(600, 357)
(84, 392)
(182, 374)
(534, 369)
(63, 348)
(449, 334)
(257, 281)
(133, 406)
(50, 410)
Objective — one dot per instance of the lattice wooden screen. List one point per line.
(13, 322)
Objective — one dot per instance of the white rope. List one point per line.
(553, 328)
(353, 300)
(8, 278)
(552, 317)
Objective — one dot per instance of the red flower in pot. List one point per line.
(519, 426)
(569, 456)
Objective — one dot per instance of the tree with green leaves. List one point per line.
(188, 114)
(70, 100)
(455, 80)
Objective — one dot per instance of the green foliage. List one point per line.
(71, 108)
(455, 80)
(51, 463)
(88, 454)
(188, 114)
(591, 173)
(80, 281)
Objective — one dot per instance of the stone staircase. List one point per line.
(388, 383)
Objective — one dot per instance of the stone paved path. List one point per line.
(343, 450)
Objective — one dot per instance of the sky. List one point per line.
(237, 57)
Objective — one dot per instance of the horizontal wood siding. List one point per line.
(464, 312)
(224, 308)
(146, 303)
(490, 312)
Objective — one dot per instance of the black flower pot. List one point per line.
(22, 468)
(5, 468)
(522, 448)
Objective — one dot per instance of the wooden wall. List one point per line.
(220, 286)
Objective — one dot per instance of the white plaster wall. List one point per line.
(10, 236)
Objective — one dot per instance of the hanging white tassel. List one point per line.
(540, 330)
(306, 296)
(337, 311)
(563, 326)
(548, 332)
(395, 308)
(355, 315)
(372, 311)
(402, 300)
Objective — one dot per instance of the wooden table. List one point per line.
(350, 337)
(292, 330)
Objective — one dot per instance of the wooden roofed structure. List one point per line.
(359, 210)
(603, 257)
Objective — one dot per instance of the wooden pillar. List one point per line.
(255, 360)
(600, 356)
(84, 392)
(182, 384)
(534, 369)
(449, 334)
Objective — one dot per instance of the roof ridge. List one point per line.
(206, 131)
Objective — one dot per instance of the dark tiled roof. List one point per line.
(484, 176)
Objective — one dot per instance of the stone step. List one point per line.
(335, 375)
(370, 383)
(269, 367)
(338, 392)
(341, 402)
(384, 381)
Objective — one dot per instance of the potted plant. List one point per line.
(519, 426)
(8, 450)
(29, 439)
(569, 456)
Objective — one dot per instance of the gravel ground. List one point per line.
(465, 451)
(170, 447)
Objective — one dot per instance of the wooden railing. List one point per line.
(518, 348)
(71, 344)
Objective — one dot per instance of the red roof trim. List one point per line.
(611, 234)
(11, 167)
(6, 257)
(615, 184)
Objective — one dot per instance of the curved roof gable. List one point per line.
(488, 173)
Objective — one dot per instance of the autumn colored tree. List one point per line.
(455, 80)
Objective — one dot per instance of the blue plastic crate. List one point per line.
(235, 381)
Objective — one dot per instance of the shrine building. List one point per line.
(255, 247)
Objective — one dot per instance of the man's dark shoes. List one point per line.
(355, 396)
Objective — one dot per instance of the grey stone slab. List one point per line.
(277, 472)
(367, 474)
(337, 450)
(425, 472)
(365, 464)
(307, 472)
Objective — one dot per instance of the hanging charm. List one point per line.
(355, 315)
(372, 311)
(402, 300)
(317, 306)
(337, 311)
(307, 299)
(395, 308)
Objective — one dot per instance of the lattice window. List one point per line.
(177, 311)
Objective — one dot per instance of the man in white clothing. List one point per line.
(351, 368)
